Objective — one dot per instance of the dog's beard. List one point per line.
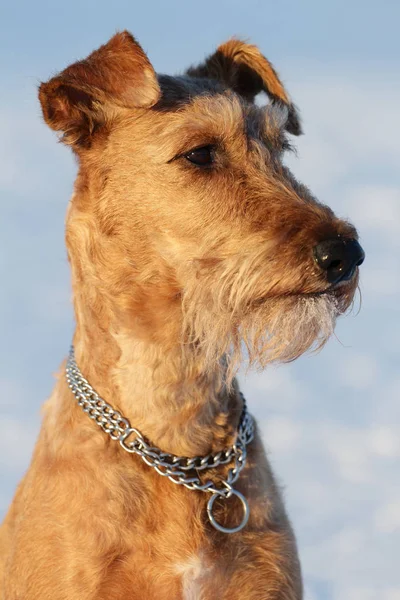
(223, 321)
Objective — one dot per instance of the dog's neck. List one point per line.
(137, 364)
(167, 394)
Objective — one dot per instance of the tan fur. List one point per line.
(173, 267)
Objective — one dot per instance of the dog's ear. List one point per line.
(80, 100)
(243, 68)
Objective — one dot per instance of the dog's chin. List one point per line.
(278, 330)
(293, 325)
(270, 329)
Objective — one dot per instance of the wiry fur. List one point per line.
(175, 270)
(294, 326)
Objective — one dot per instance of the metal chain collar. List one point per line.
(179, 469)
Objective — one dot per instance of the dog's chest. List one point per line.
(194, 573)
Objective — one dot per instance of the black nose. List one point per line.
(339, 258)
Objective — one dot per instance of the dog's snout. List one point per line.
(339, 258)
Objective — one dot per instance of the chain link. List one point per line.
(180, 470)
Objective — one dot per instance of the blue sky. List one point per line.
(330, 421)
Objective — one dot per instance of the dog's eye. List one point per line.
(202, 157)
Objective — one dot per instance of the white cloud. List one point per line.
(359, 371)
(391, 391)
(54, 301)
(349, 124)
(12, 393)
(387, 517)
(281, 433)
(275, 389)
(366, 592)
(31, 160)
(17, 439)
(385, 441)
(382, 279)
(349, 541)
(378, 211)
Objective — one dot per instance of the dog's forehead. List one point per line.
(178, 91)
(210, 102)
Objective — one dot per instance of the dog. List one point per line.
(191, 246)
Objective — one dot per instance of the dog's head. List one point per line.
(184, 214)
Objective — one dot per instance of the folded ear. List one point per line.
(80, 100)
(243, 68)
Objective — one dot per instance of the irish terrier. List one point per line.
(190, 243)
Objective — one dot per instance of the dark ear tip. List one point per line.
(123, 41)
(124, 36)
(42, 90)
(47, 89)
(293, 124)
(44, 93)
